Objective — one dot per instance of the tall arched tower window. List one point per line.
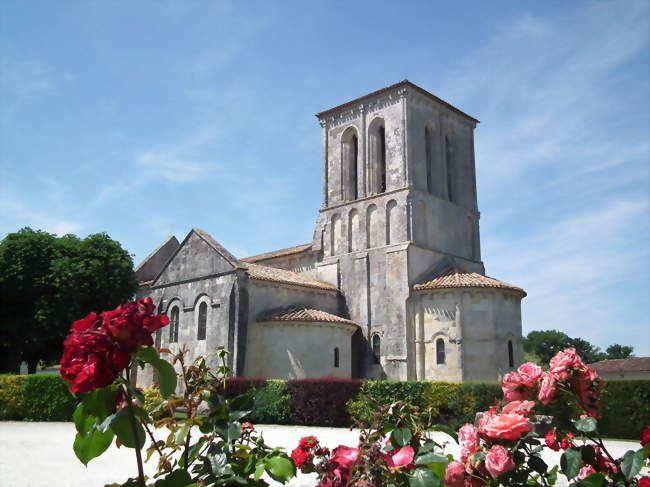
(354, 231)
(203, 320)
(173, 325)
(449, 165)
(440, 351)
(376, 349)
(511, 355)
(377, 148)
(391, 224)
(372, 220)
(336, 357)
(428, 158)
(349, 163)
(335, 235)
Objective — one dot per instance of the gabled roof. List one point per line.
(304, 313)
(454, 278)
(298, 249)
(156, 260)
(216, 246)
(404, 83)
(635, 364)
(283, 276)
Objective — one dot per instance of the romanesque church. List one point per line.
(392, 285)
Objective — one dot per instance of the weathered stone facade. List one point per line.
(396, 251)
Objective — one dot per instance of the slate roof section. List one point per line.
(156, 260)
(403, 83)
(454, 278)
(298, 249)
(303, 313)
(273, 274)
(216, 246)
(636, 364)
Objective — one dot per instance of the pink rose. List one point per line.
(402, 458)
(468, 440)
(585, 472)
(455, 474)
(498, 461)
(525, 408)
(547, 389)
(529, 373)
(512, 387)
(561, 364)
(505, 426)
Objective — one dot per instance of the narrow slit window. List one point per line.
(376, 349)
(336, 357)
(511, 355)
(173, 325)
(203, 319)
(440, 351)
(427, 146)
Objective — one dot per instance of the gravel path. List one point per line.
(40, 454)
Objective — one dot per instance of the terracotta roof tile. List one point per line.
(273, 274)
(636, 364)
(453, 278)
(298, 249)
(303, 313)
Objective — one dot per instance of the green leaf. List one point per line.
(100, 402)
(166, 373)
(92, 444)
(537, 464)
(632, 463)
(586, 425)
(588, 453)
(83, 421)
(218, 463)
(178, 478)
(593, 480)
(570, 462)
(122, 425)
(401, 436)
(181, 433)
(280, 468)
(428, 458)
(230, 431)
(423, 477)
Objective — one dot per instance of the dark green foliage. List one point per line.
(617, 351)
(47, 282)
(383, 393)
(321, 402)
(271, 403)
(47, 398)
(541, 346)
(626, 408)
(12, 397)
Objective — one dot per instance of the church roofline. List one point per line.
(403, 83)
(304, 314)
(456, 279)
(261, 272)
(298, 249)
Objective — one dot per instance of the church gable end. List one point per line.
(199, 256)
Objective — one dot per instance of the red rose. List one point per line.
(400, 458)
(551, 440)
(644, 482)
(455, 474)
(498, 461)
(300, 457)
(308, 442)
(505, 426)
(645, 436)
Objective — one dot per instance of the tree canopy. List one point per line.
(47, 282)
(540, 346)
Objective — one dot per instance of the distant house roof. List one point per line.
(402, 83)
(636, 364)
(298, 249)
(303, 313)
(283, 276)
(454, 278)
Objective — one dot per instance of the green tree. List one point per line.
(619, 351)
(545, 344)
(47, 282)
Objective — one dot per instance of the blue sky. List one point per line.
(142, 119)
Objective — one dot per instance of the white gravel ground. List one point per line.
(40, 454)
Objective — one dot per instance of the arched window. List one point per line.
(354, 231)
(428, 158)
(336, 357)
(203, 319)
(173, 325)
(391, 224)
(335, 240)
(349, 164)
(377, 147)
(449, 164)
(511, 355)
(372, 234)
(440, 351)
(376, 349)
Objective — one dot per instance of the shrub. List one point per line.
(11, 396)
(47, 398)
(271, 403)
(152, 401)
(373, 394)
(626, 408)
(236, 386)
(321, 402)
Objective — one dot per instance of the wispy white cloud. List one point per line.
(27, 78)
(16, 214)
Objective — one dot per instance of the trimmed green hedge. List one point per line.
(35, 398)
(626, 404)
